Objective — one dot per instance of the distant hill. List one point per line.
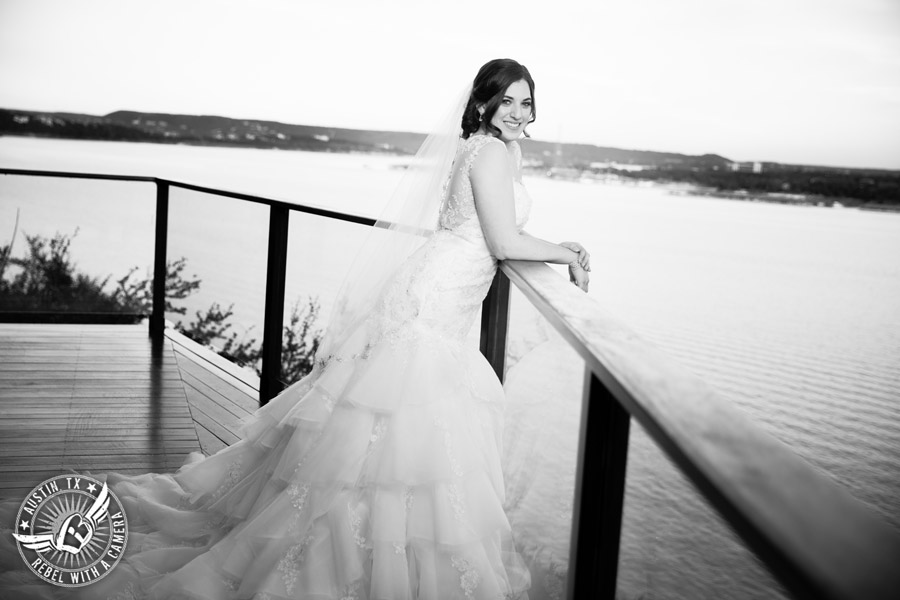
(709, 174)
(213, 130)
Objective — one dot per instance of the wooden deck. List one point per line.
(93, 398)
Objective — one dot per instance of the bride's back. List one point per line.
(458, 212)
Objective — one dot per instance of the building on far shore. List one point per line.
(596, 166)
(746, 167)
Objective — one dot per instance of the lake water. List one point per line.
(791, 312)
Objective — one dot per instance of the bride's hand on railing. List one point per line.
(579, 276)
(584, 258)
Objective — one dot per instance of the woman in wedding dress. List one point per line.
(378, 475)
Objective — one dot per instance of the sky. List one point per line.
(792, 81)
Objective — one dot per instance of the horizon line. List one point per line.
(400, 131)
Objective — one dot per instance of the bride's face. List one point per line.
(514, 112)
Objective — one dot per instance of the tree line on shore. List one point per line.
(851, 188)
(868, 188)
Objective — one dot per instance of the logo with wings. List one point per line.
(71, 530)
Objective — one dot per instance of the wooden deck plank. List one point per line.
(87, 376)
(94, 398)
(209, 442)
(95, 446)
(85, 406)
(57, 392)
(135, 422)
(56, 404)
(217, 420)
(88, 398)
(227, 403)
(86, 460)
(240, 378)
(95, 436)
(84, 383)
(229, 387)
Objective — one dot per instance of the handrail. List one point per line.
(817, 539)
(814, 536)
(196, 187)
(77, 175)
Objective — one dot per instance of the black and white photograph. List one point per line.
(414, 300)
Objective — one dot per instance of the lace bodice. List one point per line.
(438, 291)
(458, 211)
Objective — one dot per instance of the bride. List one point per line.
(378, 475)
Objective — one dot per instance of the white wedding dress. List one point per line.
(377, 476)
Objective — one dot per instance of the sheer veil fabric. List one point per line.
(405, 222)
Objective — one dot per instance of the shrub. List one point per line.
(46, 279)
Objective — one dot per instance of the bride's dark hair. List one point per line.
(488, 89)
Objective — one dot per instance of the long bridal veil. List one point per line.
(406, 221)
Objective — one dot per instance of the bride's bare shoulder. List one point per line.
(490, 162)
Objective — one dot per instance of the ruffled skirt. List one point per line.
(375, 477)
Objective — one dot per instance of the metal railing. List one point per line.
(819, 542)
(270, 383)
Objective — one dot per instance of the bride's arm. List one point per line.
(584, 259)
(491, 178)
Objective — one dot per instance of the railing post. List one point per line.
(599, 493)
(158, 314)
(495, 322)
(273, 326)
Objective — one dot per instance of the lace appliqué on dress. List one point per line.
(469, 578)
(356, 527)
(459, 207)
(448, 446)
(378, 431)
(323, 362)
(459, 509)
(298, 493)
(231, 584)
(453, 212)
(231, 479)
(517, 154)
(351, 592)
(289, 564)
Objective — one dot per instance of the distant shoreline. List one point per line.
(793, 200)
(707, 176)
(678, 187)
